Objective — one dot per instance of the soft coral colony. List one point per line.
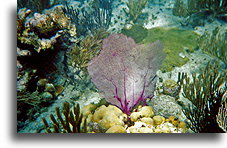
(125, 71)
(66, 52)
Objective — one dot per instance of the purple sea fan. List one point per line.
(124, 71)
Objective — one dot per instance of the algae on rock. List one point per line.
(175, 41)
(137, 32)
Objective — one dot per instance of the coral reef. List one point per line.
(87, 112)
(40, 37)
(77, 57)
(42, 31)
(110, 119)
(23, 79)
(125, 71)
(206, 93)
(115, 70)
(44, 85)
(71, 122)
(39, 40)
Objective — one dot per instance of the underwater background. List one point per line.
(121, 66)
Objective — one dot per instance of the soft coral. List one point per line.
(124, 71)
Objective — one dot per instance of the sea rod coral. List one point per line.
(125, 71)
